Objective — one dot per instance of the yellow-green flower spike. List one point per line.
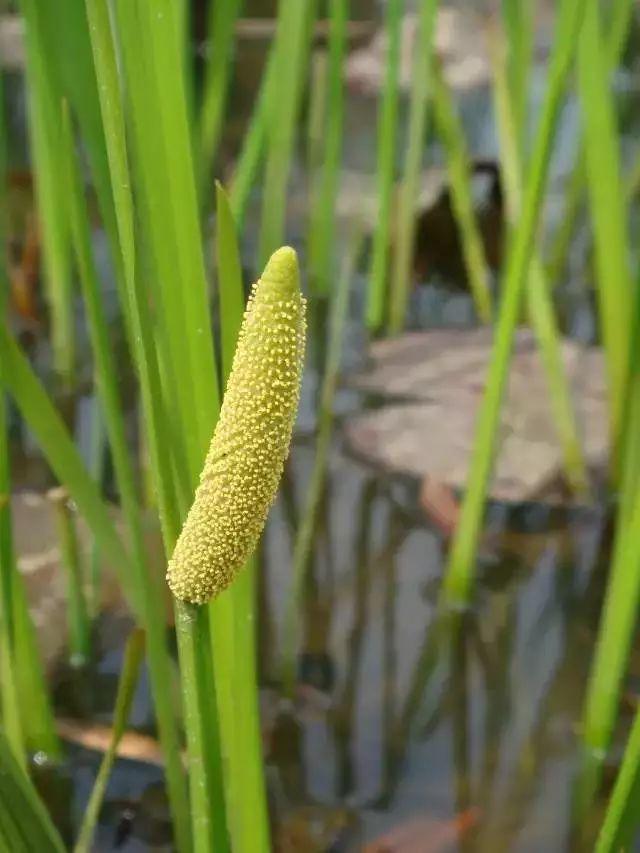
(251, 440)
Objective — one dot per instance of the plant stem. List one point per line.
(608, 211)
(417, 131)
(79, 625)
(458, 167)
(620, 22)
(621, 818)
(57, 446)
(457, 585)
(539, 300)
(127, 683)
(254, 142)
(292, 43)
(201, 724)
(322, 215)
(8, 688)
(387, 130)
(43, 103)
(308, 517)
(140, 24)
(148, 594)
(222, 19)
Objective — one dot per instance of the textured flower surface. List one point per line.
(251, 441)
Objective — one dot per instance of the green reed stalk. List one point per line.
(26, 705)
(386, 140)
(295, 21)
(79, 624)
(59, 449)
(45, 143)
(458, 167)
(9, 692)
(208, 816)
(97, 441)
(229, 269)
(148, 171)
(629, 447)
(633, 180)
(127, 683)
(608, 212)
(165, 77)
(148, 593)
(222, 20)
(619, 615)
(26, 708)
(37, 719)
(8, 688)
(519, 25)
(317, 111)
(622, 817)
(457, 585)
(619, 26)
(417, 131)
(155, 25)
(254, 142)
(63, 31)
(539, 300)
(323, 200)
(4, 211)
(9, 698)
(245, 779)
(615, 635)
(207, 805)
(132, 289)
(25, 824)
(56, 444)
(309, 513)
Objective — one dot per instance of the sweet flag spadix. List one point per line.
(251, 440)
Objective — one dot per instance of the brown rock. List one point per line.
(433, 383)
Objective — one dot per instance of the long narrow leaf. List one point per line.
(60, 451)
(459, 573)
(44, 99)
(539, 298)
(309, 515)
(292, 41)
(608, 211)
(255, 141)
(167, 95)
(322, 219)
(127, 683)
(459, 170)
(387, 130)
(147, 589)
(622, 815)
(619, 25)
(25, 825)
(222, 19)
(406, 229)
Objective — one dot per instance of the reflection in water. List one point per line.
(345, 705)
(466, 722)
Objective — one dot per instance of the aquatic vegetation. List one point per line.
(126, 108)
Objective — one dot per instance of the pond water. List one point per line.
(406, 731)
